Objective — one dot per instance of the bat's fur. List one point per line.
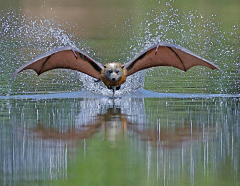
(113, 75)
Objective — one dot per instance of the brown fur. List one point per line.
(110, 83)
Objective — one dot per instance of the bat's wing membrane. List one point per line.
(65, 57)
(165, 54)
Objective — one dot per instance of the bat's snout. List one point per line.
(114, 77)
(113, 71)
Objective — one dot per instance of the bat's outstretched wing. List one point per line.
(66, 57)
(165, 54)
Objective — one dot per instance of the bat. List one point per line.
(114, 74)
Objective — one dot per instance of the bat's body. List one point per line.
(114, 74)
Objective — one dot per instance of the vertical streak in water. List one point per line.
(13, 157)
(84, 147)
(158, 145)
(50, 167)
(192, 160)
(65, 162)
(159, 129)
(204, 159)
(164, 170)
(221, 144)
(191, 165)
(232, 145)
(207, 155)
(182, 160)
(191, 125)
(37, 115)
(157, 164)
(149, 152)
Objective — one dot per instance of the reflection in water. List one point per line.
(176, 136)
(179, 139)
(113, 122)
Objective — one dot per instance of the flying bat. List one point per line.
(114, 74)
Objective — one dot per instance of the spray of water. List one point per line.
(203, 35)
(23, 38)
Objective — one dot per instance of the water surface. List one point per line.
(181, 138)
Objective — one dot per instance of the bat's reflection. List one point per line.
(114, 123)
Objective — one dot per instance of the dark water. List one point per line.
(164, 127)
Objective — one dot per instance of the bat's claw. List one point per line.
(97, 81)
(74, 53)
(156, 50)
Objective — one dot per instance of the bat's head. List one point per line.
(113, 71)
(113, 75)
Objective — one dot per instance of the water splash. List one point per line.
(203, 35)
(27, 37)
(24, 38)
(134, 82)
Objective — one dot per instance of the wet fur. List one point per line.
(106, 79)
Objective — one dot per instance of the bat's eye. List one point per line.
(117, 71)
(110, 71)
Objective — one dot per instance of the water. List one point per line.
(164, 127)
(164, 140)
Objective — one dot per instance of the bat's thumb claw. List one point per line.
(96, 81)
